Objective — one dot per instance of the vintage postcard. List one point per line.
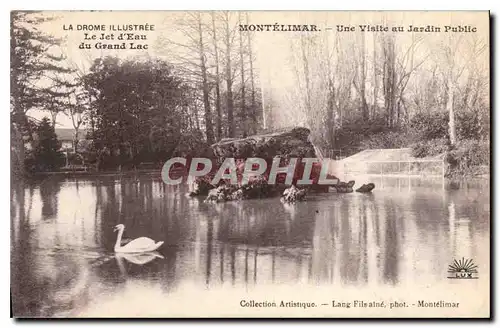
(226, 164)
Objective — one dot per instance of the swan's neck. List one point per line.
(119, 239)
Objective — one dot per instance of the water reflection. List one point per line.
(62, 239)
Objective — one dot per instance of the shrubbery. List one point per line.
(472, 126)
(427, 135)
(429, 126)
(467, 156)
(426, 148)
(386, 140)
(45, 155)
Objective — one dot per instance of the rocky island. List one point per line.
(285, 145)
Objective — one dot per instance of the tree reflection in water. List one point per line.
(62, 239)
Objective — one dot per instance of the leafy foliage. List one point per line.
(467, 156)
(30, 61)
(138, 110)
(472, 126)
(46, 155)
(428, 126)
(426, 148)
(386, 140)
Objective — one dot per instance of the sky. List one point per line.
(273, 49)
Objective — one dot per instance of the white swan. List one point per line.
(139, 245)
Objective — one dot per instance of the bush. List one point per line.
(426, 148)
(471, 125)
(193, 145)
(45, 155)
(355, 132)
(429, 126)
(386, 140)
(75, 159)
(467, 156)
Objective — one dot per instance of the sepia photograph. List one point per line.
(250, 164)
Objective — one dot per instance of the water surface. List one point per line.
(405, 233)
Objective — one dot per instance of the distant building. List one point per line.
(65, 136)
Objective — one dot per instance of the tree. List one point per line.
(253, 104)
(31, 60)
(375, 75)
(398, 69)
(47, 155)
(389, 77)
(242, 73)
(455, 64)
(228, 43)
(189, 55)
(217, 80)
(360, 80)
(139, 110)
(330, 108)
(76, 110)
(203, 67)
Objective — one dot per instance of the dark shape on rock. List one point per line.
(200, 187)
(221, 194)
(258, 188)
(344, 187)
(366, 188)
(293, 194)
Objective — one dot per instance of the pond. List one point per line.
(406, 233)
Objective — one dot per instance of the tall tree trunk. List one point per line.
(76, 127)
(92, 116)
(242, 67)
(362, 87)
(20, 126)
(393, 83)
(17, 141)
(53, 115)
(305, 63)
(217, 82)
(330, 110)
(253, 109)
(206, 100)
(195, 111)
(330, 114)
(389, 79)
(449, 108)
(375, 79)
(229, 81)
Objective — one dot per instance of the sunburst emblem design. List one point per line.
(462, 269)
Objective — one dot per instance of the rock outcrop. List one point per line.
(200, 187)
(223, 193)
(366, 188)
(344, 187)
(293, 194)
(285, 144)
